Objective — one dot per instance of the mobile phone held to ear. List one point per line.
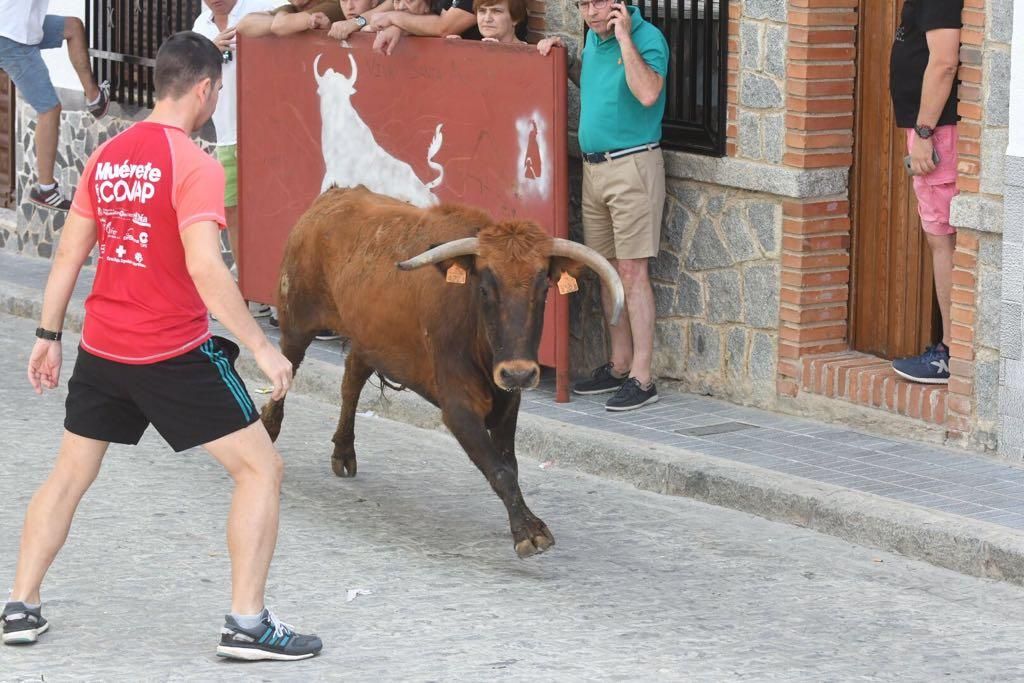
(910, 171)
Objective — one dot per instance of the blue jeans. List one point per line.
(25, 65)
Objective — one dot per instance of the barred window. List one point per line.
(124, 36)
(697, 32)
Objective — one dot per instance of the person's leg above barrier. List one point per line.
(25, 66)
(57, 29)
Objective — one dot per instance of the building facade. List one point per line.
(792, 267)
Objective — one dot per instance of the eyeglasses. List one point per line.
(585, 5)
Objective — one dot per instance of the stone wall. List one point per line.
(716, 289)
(759, 130)
(38, 229)
(978, 214)
(1011, 377)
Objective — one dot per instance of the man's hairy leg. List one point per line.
(51, 511)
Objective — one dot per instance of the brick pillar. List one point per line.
(815, 281)
(960, 402)
(733, 77)
(972, 39)
(820, 83)
(814, 298)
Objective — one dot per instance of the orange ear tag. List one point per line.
(567, 284)
(456, 274)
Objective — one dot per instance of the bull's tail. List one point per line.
(435, 146)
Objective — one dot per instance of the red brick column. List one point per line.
(820, 83)
(733, 77)
(815, 284)
(815, 267)
(960, 402)
(972, 38)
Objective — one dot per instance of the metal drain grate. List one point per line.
(722, 428)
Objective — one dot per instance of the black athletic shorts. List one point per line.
(191, 399)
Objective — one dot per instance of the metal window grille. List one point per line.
(697, 32)
(124, 36)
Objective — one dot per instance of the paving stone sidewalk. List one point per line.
(640, 586)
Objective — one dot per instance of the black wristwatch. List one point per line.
(924, 132)
(360, 20)
(47, 334)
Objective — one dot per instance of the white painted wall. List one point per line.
(61, 73)
(1016, 147)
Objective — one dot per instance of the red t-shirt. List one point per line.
(143, 187)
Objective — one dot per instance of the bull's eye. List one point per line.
(483, 291)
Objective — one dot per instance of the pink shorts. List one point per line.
(936, 190)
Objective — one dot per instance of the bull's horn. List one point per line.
(462, 247)
(352, 78)
(316, 69)
(599, 265)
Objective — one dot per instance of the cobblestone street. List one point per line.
(639, 587)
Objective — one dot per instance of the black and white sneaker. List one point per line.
(259, 310)
(631, 396)
(602, 381)
(99, 108)
(327, 335)
(49, 199)
(272, 639)
(22, 624)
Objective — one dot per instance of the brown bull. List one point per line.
(467, 348)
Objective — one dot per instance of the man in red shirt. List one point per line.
(154, 204)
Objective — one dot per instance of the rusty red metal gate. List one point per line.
(475, 123)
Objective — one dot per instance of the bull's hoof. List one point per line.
(533, 540)
(344, 466)
(271, 418)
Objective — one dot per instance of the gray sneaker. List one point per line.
(22, 624)
(272, 639)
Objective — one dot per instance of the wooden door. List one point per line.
(892, 305)
(7, 142)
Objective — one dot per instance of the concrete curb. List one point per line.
(964, 545)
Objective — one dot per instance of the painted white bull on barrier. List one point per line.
(351, 153)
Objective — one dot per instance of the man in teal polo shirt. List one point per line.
(622, 101)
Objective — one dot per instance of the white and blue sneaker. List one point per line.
(931, 367)
(22, 624)
(271, 639)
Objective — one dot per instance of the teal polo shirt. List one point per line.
(610, 116)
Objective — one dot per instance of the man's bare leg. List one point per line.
(51, 511)
(255, 465)
(943, 247)
(640, 310)
(47, 132)
(78, 53)
(621, 355)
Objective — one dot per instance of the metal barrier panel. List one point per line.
(438, 120)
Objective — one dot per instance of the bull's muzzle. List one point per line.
(515, 375)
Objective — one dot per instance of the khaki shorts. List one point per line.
(227, 155)
(623, 201)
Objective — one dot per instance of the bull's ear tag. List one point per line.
(456, 274)
(567, 284)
